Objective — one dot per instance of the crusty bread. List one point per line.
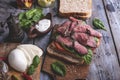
(75, 8)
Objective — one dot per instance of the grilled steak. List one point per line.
(80, 48)
(65, 40)
(81, 38)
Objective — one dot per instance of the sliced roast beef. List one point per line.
(63, 27)
(80, 29)
(73, 25)
(81, 38)
(80, 48)
(65, 40)
(73, 19)
(93, 32)
(91, 42)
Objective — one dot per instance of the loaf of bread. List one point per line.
(76, 8)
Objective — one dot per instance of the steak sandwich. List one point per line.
(74, 42)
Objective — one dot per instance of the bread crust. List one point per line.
(76, 15)
(83, 14)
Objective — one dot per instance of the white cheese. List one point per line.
(21, 57)
(17, 60)
(43, 25)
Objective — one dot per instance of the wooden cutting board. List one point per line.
(73, 72)
(5, 48)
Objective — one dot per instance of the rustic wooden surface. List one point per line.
(106, 62)
(73, 71)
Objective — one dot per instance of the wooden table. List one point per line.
(106, 62)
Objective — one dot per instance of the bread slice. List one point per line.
(75, 8)
(63, 55)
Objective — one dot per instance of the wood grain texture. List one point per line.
(114, 21)
(72, 71)
(105, 65)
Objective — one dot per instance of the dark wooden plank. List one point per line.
(105, 64)
(113, 13)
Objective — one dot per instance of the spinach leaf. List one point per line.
(28, 18)
(25, 23)
(29, 14)
(58, 68)
(21, 15)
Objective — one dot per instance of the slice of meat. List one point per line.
(91, 42)
(80, 29)
(62, 29)
(81, 38)
(93, 32)
(73, 19)
(65, 40)
(73, 25)
(80, 48)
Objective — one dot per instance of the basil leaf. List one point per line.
(36, 61)
(98, 24)
(58, 68)
(88, 58)
(31, 70)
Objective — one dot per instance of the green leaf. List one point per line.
(28, 18)
(98, 24)
(88, 58)
(29, 14)
(31, 70)
(24, 23)
(36, 61)
(58, 68)
(96, 39)
(21, 16)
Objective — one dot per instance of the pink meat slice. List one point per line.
(91, 42)
(81, 29)
(80, 48)
(65, 40)
(93, 32)
(73, 25)
(87, 29)
(81, 38)
(63, 27)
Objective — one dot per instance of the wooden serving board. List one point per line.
(73, 72)
(5, 49)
